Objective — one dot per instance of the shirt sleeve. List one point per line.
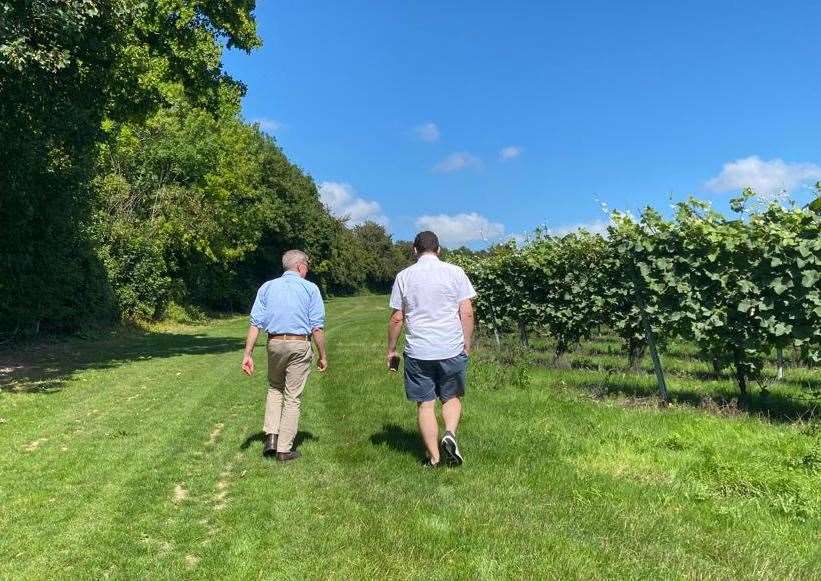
(316, 310)
(396, 296)
(259, 312)
(464, 288)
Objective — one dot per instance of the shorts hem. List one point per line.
(420, 400)
(448, 397)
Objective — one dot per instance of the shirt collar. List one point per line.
(290, 272)
(427, 257)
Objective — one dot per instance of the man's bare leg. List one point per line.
(429, 428)
(451, 412)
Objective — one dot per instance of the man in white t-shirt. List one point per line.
(433, 300)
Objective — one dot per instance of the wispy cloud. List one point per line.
(510, 152)
(342, 201)
(269, 126)
(427, 131)
(594, 227)
(764, 176)
(456, 162)
(520, 239)
(456, 230)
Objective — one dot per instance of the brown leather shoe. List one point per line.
(286, 456)
(270, 445)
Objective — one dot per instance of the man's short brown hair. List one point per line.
(426, 241)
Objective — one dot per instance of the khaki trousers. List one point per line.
(289, 363)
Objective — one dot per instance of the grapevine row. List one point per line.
(736, 287)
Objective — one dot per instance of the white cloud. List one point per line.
(510, 152)
(428, 131)
(456, 162)
(270, 126)
(461, 229)
(342, 201)
(765, 177)
(594, 227)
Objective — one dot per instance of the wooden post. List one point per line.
(651, 341)
(495, 326)
(523, 333)
(780, 354)
(654, 354)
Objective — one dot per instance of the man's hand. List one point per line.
(467, 349)
(318, 335)
(393, 356)
(247, 365)
(250, 341)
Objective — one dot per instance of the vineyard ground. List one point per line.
(138, 455)
(691, 380)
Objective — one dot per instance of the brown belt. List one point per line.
(289, 337)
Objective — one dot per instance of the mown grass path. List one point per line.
(140, 458)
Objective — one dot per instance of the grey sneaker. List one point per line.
(426, 463)
(451, 449)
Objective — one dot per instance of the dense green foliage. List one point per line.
(198, 209)
(64, 66)
(737, 288)
(129, 180)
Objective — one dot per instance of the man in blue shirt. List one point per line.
(290, 310)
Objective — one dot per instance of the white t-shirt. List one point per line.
(429, 293)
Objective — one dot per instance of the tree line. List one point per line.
(739, 288)
(130, 185)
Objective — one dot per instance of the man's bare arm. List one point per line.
(319, 341)
(394, 330)
(250, 343)
(466, 316)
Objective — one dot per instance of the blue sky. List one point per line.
(488, 119)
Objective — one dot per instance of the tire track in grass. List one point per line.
(351, 406)
(174, 412)
(291, 501)
(222, 513)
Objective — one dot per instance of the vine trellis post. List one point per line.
(651, 340)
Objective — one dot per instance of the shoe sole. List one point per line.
(291, 459)
(452, 450)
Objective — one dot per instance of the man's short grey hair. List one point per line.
(292, 258)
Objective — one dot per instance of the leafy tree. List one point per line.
(64, 66)
(384, 259)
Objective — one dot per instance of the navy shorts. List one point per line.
(439, 378)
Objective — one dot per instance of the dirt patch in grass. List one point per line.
(215, 433)
(34, 445)
(223, 484)
(221, 492)
(180, 493)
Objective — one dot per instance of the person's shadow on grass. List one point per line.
(399, 439)
(260, 437)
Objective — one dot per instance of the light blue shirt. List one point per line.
(288, 305)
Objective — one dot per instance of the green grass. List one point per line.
(138, 456)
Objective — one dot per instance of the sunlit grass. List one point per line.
(142, 459)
